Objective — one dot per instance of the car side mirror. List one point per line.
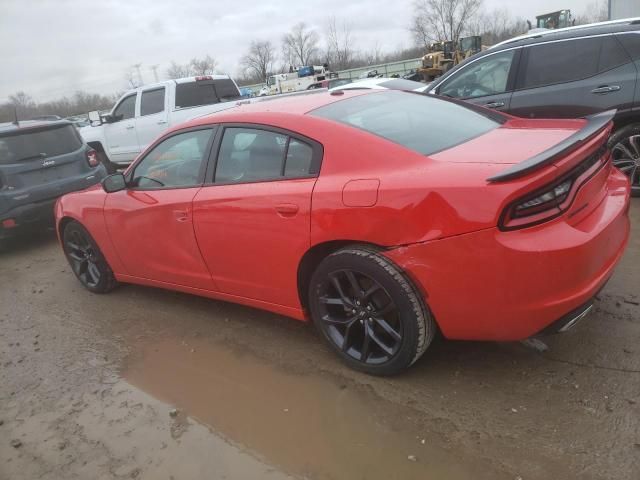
(94, 117)
(114, 183)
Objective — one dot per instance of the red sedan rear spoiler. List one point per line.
(595, 123)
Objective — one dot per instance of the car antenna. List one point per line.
(15, 113)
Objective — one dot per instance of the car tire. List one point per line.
(86, 259)
(369, 312)
(625, 153)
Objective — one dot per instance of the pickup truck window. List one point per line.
(207, 92)
(152, 101)
(126, 109)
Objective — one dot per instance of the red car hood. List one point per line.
(515, 141)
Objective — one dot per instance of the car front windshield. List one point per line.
(422, 123)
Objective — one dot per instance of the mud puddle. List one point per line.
(306, 425)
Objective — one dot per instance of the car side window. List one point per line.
(253, 155)
(560, 62)
(631, 43)
(612, 54)
(126, 109)
(299, 159)
(152, 101)
(486, 76)
(175, 162)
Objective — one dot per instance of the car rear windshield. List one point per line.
(420, 122)
(30, 144)
(205, 92)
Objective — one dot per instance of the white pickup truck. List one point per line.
(142, 114)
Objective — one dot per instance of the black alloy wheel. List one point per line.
(86, 260)
(369, 312)
(360, 317)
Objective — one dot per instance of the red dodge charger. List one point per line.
(382, 216)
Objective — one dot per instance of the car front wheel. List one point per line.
(86, 259)
(625, 154)
(369, 311)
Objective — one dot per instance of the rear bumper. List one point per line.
(494, 285)
(36, 214)
(31, 215)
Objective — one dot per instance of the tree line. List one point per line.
(333, 44)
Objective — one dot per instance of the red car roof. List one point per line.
(289, 104)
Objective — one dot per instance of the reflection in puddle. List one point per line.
(305, 424)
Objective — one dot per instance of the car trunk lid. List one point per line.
(514, 142)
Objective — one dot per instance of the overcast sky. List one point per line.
(51, 48)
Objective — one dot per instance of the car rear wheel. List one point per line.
(86, 259)
(625, 153)
(369, 312)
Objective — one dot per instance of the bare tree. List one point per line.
(442, 20)
(300, 45)
(27, 107)
(176, 70)
(196, 66)
(375, 55)
(21, 100)
(258, 61)
(203, 66)
(495, 26)
(596, 11)
(340, 52)
(131, 78)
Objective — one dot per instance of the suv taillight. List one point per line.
(92, 158)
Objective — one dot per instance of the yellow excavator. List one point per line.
(441, 56)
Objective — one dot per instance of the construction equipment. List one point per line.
(442, 56)
(553, 20)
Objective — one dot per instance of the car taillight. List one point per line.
(92, 158)
(549, 199)
(552, 200)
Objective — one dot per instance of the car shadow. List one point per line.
(25, 242)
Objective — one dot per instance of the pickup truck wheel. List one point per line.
(625, 154)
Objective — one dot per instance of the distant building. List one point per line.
(623, 9)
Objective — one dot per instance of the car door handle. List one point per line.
(129, 127)
(181, 215)
(287, 209)
(494, 104)
(606, 89)
(161, 122)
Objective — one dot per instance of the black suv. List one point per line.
(40, 161)
(564, 73)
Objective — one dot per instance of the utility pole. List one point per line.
(137, 67)
(155, 71)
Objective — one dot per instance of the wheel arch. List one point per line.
(312, 258)
(62, 223)
(97, 146)
(623, 122)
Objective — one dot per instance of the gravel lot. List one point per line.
(144, 383)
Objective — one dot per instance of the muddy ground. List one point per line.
(150, 384)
